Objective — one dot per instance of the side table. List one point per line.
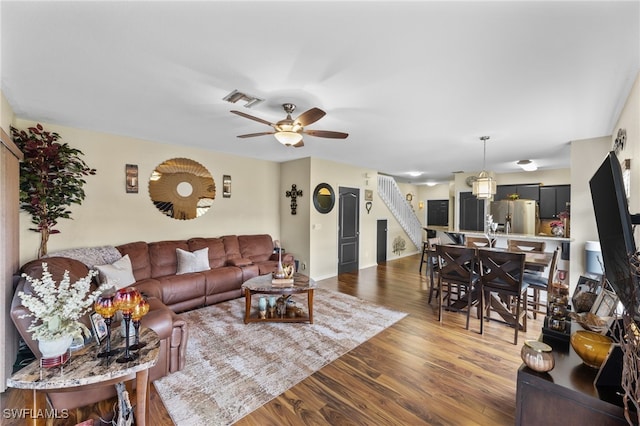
(84, 369)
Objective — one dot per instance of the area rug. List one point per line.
(234, 368)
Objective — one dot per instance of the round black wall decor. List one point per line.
(324, 198)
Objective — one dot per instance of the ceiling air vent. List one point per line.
(236, 96)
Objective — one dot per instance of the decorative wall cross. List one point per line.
(294, 194)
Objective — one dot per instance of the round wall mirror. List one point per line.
(324, 198)
(182, 189)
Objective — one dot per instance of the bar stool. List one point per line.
(430, 258)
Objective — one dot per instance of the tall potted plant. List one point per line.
(51, 179)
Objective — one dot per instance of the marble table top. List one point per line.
(85, 368)
(262, 284)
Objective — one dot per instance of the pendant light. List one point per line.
(484, 186)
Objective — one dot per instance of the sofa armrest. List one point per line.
(287, 258)
(149, 288)
(168, 324)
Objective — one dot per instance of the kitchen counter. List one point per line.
(525, 237)
(502, 238)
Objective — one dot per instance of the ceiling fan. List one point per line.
(289, 131)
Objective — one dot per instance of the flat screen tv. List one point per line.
(615, 232)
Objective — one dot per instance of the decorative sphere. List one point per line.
(140, 310)
(104, 306)
(126, 299)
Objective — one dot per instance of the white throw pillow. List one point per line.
(119, 273)
(195, 261)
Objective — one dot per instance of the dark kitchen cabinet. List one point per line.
(438, 212)
(553, 200)
(529, 191)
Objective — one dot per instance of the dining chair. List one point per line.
(502, 272)
(540, 282)
(527, 246)
(430, 257)
(456, 268)
(478, 242)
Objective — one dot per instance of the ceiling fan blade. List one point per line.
(311, 116)
(250, 135)
(326, 134)
(299, 144)
(251, 117)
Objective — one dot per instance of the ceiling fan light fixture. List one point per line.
(527, 165)
(288, 137)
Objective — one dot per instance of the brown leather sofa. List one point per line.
(232, 260)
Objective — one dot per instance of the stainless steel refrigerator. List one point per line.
(522, 215)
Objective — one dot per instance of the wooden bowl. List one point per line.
(591, 347)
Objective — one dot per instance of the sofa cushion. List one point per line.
(119, 273)
(239, 262)
(163, 258)
(231, 247)
(192, 261)
(220, 280)
(180, 288)
(139, 255)
(258, 248)
(217, 255)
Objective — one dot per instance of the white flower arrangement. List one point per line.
(56, 309)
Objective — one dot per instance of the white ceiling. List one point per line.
(415, 84)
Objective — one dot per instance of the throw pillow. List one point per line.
(119, 273)
(192, 261)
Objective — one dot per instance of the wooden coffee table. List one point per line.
(263, 285)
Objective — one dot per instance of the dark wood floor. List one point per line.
(415, 372)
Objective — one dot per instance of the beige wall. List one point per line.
(110, 216)
(588, 154)
(295, 228)
(324, 227)
(6, 114)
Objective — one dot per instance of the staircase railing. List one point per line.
(390, 193)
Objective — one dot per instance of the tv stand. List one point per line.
(566, 395)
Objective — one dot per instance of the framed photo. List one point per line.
(98, 326)
(605, 304)
(368, 195)
(226, 186)
(585, 293)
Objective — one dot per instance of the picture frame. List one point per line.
(226, 186)
(98, 326)
(368, 195)
(605, 304)
(585, 293)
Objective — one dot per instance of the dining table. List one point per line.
(536, 261)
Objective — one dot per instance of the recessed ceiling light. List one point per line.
(414, 174)
(432, 183)
(527, 165)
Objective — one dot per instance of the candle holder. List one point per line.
(140, 310)
(105, 307)
(126, 300)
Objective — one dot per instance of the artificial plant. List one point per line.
(51, 179)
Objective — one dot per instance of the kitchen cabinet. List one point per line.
(553, 200)
(438, 212)
(529, 191)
